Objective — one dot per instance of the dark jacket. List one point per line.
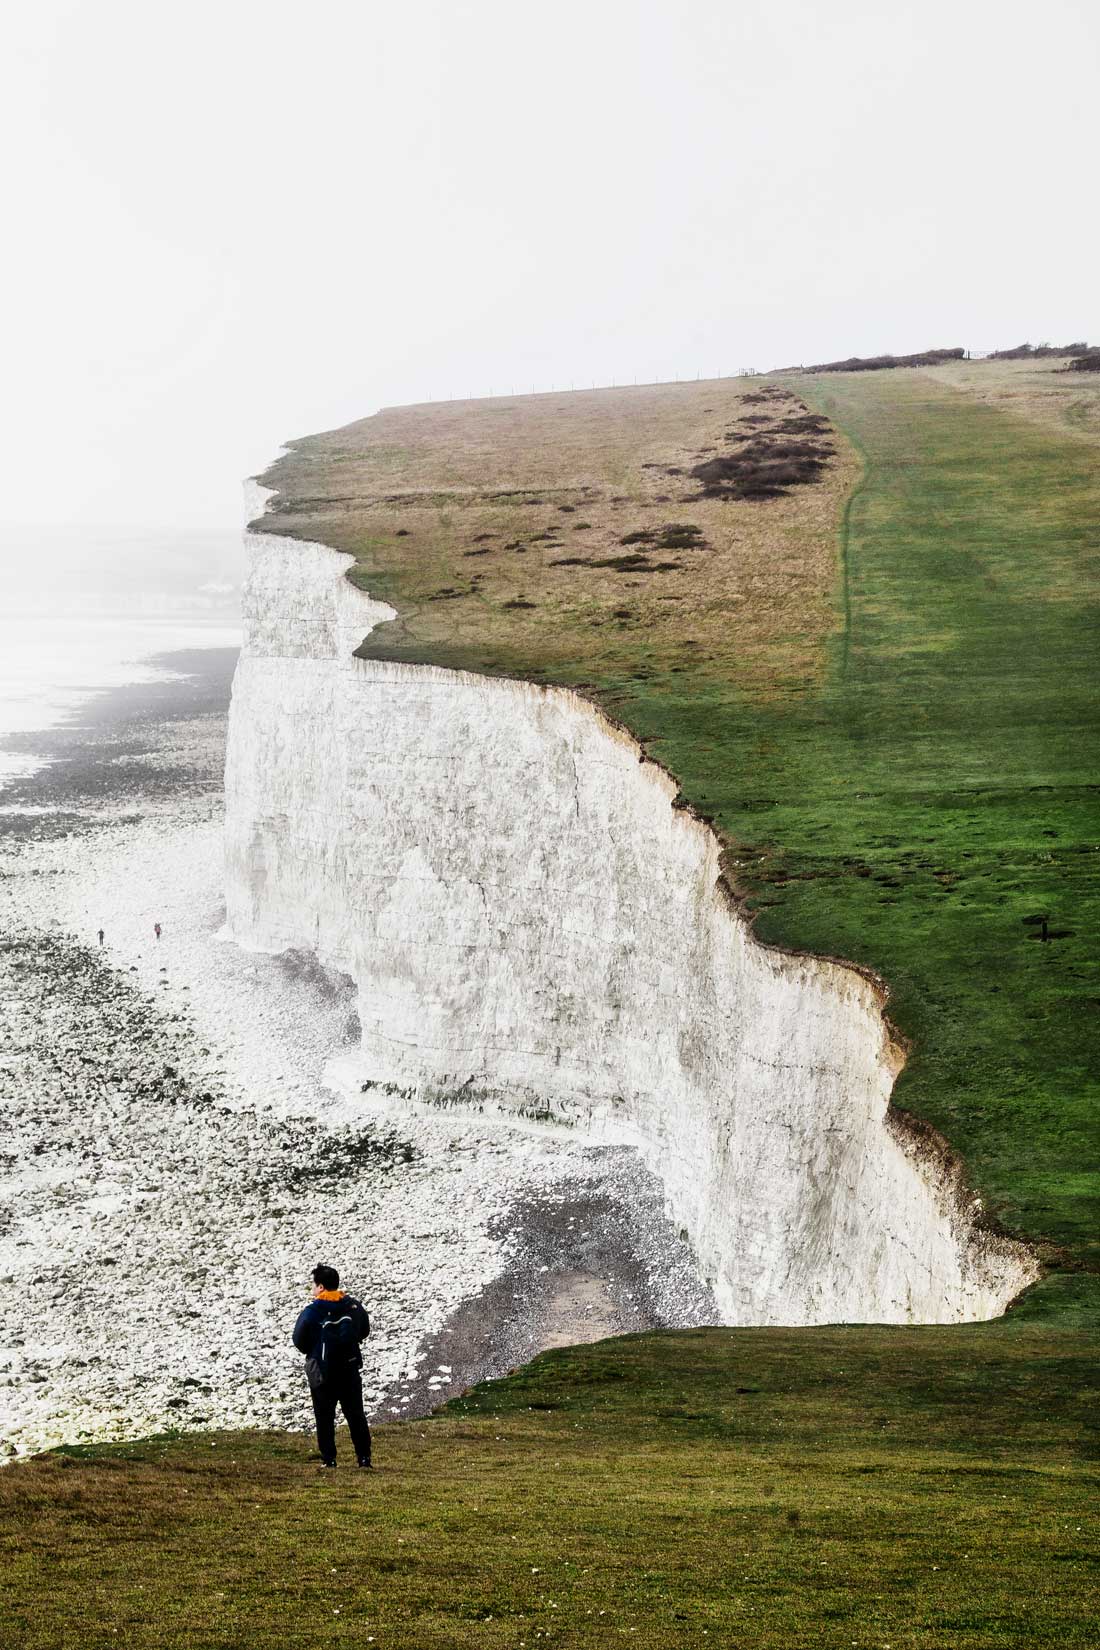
(333, 1304)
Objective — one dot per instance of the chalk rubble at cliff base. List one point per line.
(173, 1163)
(533, 927)
(466, 901)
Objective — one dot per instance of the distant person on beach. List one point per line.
(329, 1331)
(156, 929)
(101, 936)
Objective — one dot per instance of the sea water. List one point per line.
(85, 609)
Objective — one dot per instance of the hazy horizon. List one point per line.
(238, 225)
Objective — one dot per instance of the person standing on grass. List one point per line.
(329, 1331)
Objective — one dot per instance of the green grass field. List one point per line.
(955, 758)
(899, 746)
(921, 1489)
(944, 784)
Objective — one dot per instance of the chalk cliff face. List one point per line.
(534, 927)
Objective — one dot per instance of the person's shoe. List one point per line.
(366, 1465)
(328, 1463)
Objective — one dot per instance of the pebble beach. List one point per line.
(173, 1162)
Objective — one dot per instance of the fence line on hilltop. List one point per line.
(573, 388)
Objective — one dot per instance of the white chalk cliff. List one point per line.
(534, 927)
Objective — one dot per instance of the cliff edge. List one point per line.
(535, 926)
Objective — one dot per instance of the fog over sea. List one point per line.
(85, 609)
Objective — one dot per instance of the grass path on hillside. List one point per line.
(946, 783)
(920, 1489)
(904, 758)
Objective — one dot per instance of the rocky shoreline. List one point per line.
(172, 1164)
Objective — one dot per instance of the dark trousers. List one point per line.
(348, 1393)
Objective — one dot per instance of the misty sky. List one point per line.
(230, 223)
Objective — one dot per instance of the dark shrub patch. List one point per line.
(402, 533)
(518, 601)
(581, 526)
(636, 563)
(875, 363)
(642, 535)
(475, 552)
(763, 468)
(1027, 352)
(568, 509)
(806, 424)
(681, 536)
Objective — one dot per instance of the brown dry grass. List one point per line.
(500, 525)
(1043, 392)
(940, 692)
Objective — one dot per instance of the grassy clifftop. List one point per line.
(882, 685)
(564, 538)
(925, 1489)
(943, 791)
